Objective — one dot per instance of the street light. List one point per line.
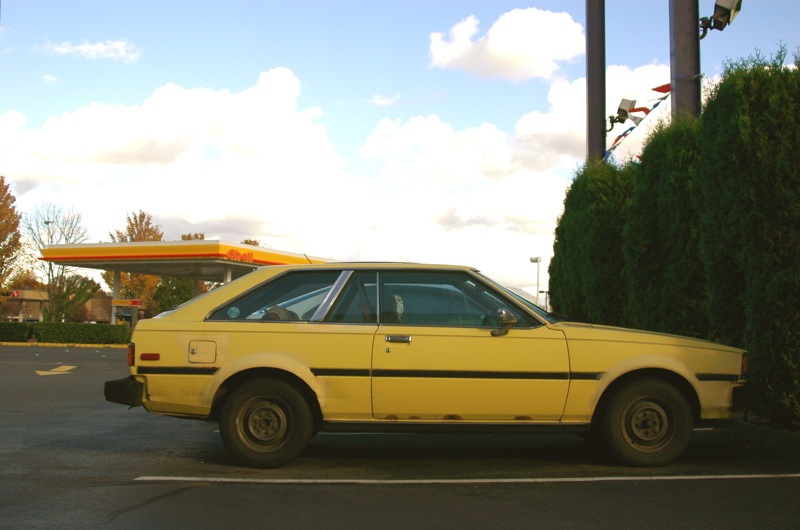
(538, 261)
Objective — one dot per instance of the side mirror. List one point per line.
(506, 319)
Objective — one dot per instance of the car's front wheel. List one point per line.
(265, 423)
(647, 422)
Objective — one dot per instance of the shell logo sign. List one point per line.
(235, 255)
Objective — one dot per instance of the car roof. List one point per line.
(371, 265)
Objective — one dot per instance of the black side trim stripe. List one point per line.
(441, 374)
(717, 377)
(340, 372)
(586, 376)
(457, 374)
(466, 374)
(176, 370)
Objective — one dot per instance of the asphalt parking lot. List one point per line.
(69, 458)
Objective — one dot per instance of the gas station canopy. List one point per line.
(199, 260)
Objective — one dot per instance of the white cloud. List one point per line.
(426, 149)
(522, 44)
(459, 197)
(557, 136)
(249, 153)
(252, 164)
(384, 101)
(118, 50)
(49, 79)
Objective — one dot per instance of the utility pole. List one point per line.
(595, 79)
(684, 33)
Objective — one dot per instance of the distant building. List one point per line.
(25, 305)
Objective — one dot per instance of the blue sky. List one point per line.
(439, 131)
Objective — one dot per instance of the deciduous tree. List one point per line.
(138, 227)
(51, 224)
(68, 302)
(9, 232)
(175, 291)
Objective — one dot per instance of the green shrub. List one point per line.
(711, 230)
(586, 273)
(15, 331)
(752, 125)
(664, 270)
(76, 333)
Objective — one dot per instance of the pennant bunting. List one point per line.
(663, 89)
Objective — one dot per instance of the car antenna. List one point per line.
(309, 259)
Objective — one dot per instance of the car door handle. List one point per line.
(398, 338)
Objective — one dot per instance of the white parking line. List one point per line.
(460, 481)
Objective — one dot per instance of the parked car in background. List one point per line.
(287, 351)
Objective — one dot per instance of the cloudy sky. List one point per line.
(429, 131)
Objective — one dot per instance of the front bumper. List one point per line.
(127, 391)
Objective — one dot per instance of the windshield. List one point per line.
(524, 300)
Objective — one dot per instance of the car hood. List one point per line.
(581, 331)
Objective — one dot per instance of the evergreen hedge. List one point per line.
(15, 331)
(664, 271)
(77, 333)
(707, 228)
(65, 332)
(585, 284)
(752, 130)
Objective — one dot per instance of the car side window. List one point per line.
(291, 297)
(433, 298)
(358, 301)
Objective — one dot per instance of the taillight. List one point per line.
(131, 354)
(745, 364)
(150, 357)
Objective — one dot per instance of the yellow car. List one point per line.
(287, 351)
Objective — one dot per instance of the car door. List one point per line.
(300, 321)
(434, 357)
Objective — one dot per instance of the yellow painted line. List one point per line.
(64, 369)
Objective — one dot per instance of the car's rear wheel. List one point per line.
(265, 423)
(647, 422)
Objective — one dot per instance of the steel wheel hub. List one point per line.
(646, 425)
(264, 424)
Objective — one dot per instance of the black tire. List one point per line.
(265, 423)
(647, 423)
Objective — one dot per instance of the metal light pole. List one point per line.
(684, 27)
(546, 300)
(595, 79)
(538, 261)
(685, 57)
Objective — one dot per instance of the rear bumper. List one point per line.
(126, 391)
